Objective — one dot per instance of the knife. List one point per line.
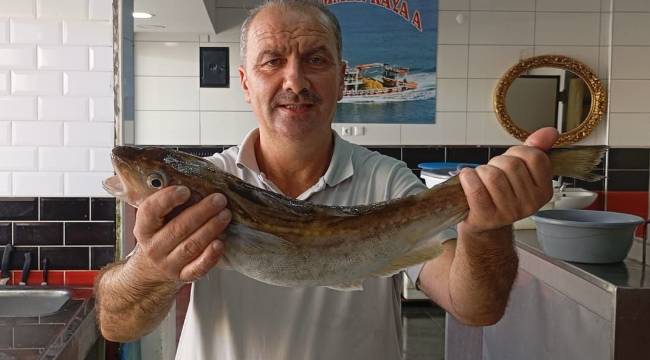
(45, 267)
(26, 267)
(5, 274)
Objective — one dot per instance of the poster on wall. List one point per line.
(389, 47)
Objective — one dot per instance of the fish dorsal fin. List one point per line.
(351, 286)
(416, 256)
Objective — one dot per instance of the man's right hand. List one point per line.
(185, 248)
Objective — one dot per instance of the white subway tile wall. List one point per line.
(36, 83)
(84, 183)
(62, 108)
(27, 31)
(37, 133)
(4, 83)
(5, 183)
(5, 133)
(62, 9)
(63, 159)
(101, 108)
(18, 8)
(62, 58)
(42, 183)
(4, 30)
(56, 97)
(630, 74)
(17, 57)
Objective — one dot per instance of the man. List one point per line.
(292, 75)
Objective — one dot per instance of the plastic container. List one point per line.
(434, 173)
(586, 236)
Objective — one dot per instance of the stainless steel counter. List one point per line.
(69, 333)
(560, 310)
(628, 274)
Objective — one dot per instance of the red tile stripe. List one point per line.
(57, 277)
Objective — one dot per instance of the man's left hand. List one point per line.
(511, 186)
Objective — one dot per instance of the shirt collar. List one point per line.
(340, 167)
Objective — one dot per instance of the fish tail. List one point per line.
(577, 162)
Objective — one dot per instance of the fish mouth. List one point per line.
(114, 186)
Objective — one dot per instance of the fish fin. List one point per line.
(352, 286)
(577, 162)
(257, 240)
(418, 255)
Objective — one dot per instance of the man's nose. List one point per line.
(294, 77)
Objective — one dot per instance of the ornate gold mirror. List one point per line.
(550, 90)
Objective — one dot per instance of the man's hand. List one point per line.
(511, 186)
(185, 248)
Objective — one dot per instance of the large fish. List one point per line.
(287, 242)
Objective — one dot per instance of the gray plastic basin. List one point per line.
(587, 236)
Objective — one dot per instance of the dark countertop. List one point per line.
(628, 274)
(67, 334)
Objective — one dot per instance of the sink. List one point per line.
(574, 198)
(29, 302)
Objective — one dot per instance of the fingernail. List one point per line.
(217, 245)
(219, 200)
(182, 190)
(224, 215)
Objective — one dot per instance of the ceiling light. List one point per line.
(142, 15)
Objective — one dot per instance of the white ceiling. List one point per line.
(182, 16)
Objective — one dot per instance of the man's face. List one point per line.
(292, 76)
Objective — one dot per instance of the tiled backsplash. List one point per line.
(73, 233)
(56, 97)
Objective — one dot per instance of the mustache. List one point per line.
(305, 96)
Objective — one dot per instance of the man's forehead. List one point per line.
(275, 24)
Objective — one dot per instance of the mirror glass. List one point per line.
(548, 97)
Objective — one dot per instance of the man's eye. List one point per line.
(273, 62)
(316, 60)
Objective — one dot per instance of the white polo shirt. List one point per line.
(233, 317)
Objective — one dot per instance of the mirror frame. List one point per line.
(597, 90)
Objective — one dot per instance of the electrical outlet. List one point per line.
(358, 130)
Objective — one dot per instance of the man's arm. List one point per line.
(472, 282)
(133, 296)
(473, 277)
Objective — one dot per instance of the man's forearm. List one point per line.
(482, 274)
(129, 305)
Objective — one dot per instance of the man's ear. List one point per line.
(342, 80)
(243, 79)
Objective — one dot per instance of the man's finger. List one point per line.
(206, 261)
(478, 196)
(195, 244)
(187, 222)
(543, 138)
(152, 211)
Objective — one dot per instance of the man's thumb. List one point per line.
(543, 138)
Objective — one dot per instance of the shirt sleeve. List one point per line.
(406, 183)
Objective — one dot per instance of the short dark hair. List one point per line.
(292, 4)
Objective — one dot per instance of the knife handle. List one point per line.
(6, 257)
(45, 269)
(26, 267)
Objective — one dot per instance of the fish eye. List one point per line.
(155, 181)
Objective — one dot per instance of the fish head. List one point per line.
(142, 171)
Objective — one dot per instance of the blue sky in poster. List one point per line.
(374, 34)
